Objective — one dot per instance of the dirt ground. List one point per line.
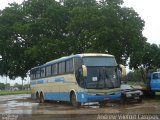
(27, 109)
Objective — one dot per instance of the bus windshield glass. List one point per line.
(102, 73)
(99, 61)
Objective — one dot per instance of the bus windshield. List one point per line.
(102, 73)
(99, 61)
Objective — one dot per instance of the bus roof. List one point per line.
(94, 54)
(72, 56)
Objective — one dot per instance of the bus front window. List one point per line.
(102, 73)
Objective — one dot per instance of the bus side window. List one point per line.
(43, 72)
(38, 73)
(69, 66)
(54, 69)
(48, 70)
(60, 68)
(33, 73)
(63, 69)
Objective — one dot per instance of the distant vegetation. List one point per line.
(14, 92)
(15, 87)
(38, 31)
(140, 76)
(7, 89)
(134, 76)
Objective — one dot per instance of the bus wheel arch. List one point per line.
(73, 99)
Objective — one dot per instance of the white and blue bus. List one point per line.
(78, 79)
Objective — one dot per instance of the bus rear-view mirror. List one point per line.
(123, 71)
(84, 71)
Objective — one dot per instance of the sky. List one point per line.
(148, 10)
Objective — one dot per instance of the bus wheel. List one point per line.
(41, 100)
(74, 100)
(103, 103)
(139, 100)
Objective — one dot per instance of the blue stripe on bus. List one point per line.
(59, 96)
(61, 79)
(40, 82)
(81, 96)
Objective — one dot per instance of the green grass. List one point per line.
(14, 92)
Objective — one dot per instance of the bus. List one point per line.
(78, 79)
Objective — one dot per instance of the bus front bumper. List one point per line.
(87, 97)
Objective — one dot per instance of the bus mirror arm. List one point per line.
(122, 71)
(84, 71)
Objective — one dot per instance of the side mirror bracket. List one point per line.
(123, 71)
(84, 71)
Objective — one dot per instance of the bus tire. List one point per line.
(102, 103)
(153, 94)
(41, 99)
(139, 100)
(73, 100)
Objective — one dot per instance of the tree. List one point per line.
(11, 42)
(151, 56)
(28, 32)
(38, 31)
(2, 86)
(148, 58)
(106, 27)
(134, 76)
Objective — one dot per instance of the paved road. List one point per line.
(27, 109)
